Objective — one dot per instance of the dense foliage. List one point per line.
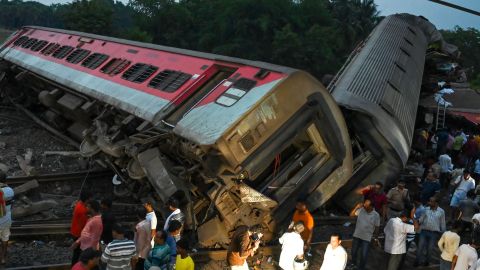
(314, 35)
(468, 42)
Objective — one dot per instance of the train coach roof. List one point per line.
(200, 116)
(211, 56)
(383, 79)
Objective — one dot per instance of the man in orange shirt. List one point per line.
(79, 220)
(302, 214)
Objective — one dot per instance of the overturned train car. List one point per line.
(236, 140)
(379, 89)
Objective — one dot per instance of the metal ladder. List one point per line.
(441, 113)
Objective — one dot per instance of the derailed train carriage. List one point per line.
(237, 140)
(379, 89)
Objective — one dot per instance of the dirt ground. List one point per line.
(19, 135)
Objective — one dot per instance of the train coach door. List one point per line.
(192, 96)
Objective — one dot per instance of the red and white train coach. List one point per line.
(243, 136)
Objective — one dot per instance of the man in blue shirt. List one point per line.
(174, 228)
(430, 187)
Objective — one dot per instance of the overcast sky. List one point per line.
(443, 17)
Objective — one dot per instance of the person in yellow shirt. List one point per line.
(183, 262)
(302, 214)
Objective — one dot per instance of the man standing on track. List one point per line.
(335, 255)
(79, 219)
(396, 232)
(6, 219)
(91, 233)
(302, 214)
(292, 246)
(368, 221)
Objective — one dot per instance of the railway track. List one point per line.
(215, 259)
(39, 229)
(61, 227)
(61, 177)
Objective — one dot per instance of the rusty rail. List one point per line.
(204, 256)
(63, 177)
(64, 266)
(40, 229)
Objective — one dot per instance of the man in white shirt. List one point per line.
(475, 266)
(6, 221)
(142, 238)
(368, 221)
(292, 246)
(465, 257)
(396, 232)
(448, 244)
(464, 183)
(176, 214)
(152, 218)
(335, 255)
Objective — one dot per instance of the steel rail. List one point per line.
(40, 229)
(63, 266)
(37, 228)
(205, 256)
(76, 176)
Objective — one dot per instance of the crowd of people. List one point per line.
(451, 169)
(295, 243)
(101, 242)
(406, 216)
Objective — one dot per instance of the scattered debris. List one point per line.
(3, 167)
(26, 187)
(63, 153)
(33, 208)
(24, 165)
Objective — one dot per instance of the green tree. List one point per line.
(94, 16)
(468, 42)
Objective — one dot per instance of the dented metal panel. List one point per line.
(199, 126)
(157, 173)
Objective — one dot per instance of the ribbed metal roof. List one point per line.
(383, 78)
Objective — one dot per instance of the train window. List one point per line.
(139, 72)
(27, 44)
(94, 60)
(50, 48)
(169, 80)
(77, 56)
(261, 74)
(63, 51)
(39, 45)
(236, 92)
(244, 84)
(20, 41)
(115, 66)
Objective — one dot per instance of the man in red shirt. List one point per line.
(375, 194)
(91, 233)
(79, 220)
